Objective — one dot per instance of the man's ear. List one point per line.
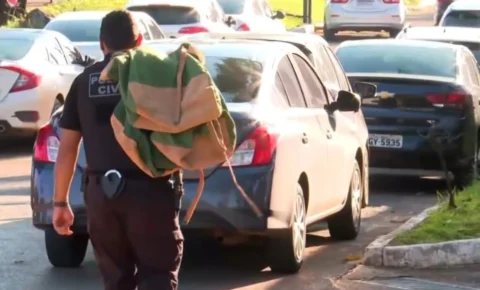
(139, 40)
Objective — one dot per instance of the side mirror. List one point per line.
(346, 102)
(365, 90)
(279, 15)
(230, 21)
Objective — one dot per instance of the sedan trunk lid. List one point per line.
(8, 79)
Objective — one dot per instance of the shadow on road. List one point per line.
(15, 148)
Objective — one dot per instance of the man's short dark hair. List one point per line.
(119, 30)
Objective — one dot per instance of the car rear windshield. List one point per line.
(170, 15)
(77, 30)
(415, 60)
(14, 48)
(462, 18)
(238, 79)
(232, 7)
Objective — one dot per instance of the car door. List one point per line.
(314, 144)
(339, 159)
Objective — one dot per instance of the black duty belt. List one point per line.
(113, 181)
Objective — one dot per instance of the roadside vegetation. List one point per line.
(448, 224)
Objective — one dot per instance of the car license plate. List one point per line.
(364, 2)
(385, 141)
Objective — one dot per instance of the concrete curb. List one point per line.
(374, 252)
(460, 252)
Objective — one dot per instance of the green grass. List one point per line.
(295, 7)
(448, 224)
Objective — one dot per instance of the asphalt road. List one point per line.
(24, 266)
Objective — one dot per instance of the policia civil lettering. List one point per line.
(132, 218)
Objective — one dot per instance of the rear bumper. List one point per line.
(221, 207)
(338, 18)
(16, 111)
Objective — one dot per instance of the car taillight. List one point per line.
(243, 27)
(46, 145)
(340, 1)
(26, 80)
(192, 29)
(453, 99)
(257, 149)
(391, 1)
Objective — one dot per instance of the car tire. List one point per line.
(328, 34)
(65, 251)
(286, 251)
(465, 176)
(56, 105)
(345, 225)
(394, 32)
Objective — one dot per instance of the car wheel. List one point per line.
(286, 251)
(328, 34)
(465, 176)
(65, 251)
(394, 32)
(56, 105)
(345, 225)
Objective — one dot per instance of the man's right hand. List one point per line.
(63, 220)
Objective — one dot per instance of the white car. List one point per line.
(468, 37)
(254, 15)
(462, 13)
(364, 15)
(180, 17)
(37, 68)
(83, 29)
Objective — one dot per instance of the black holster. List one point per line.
(178, 188)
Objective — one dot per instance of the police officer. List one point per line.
(132, 218)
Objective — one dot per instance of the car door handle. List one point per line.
(304, 138)
(329, 134)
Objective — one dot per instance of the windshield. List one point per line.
(462, 19)
(14, 48)
(232, 7)
(77, 30)
(238, 79)
(405, 59)
(170, 15)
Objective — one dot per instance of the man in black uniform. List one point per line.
(132, 218)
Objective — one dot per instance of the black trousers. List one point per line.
(136, 237)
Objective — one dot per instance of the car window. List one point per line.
(281, 98)
(256, 8)
(472, 70)
(290, 81)
(314, 90)
(232, 7)
(155, 30)
(342, 79)
(213, 13)
(22, 47)
(238, 79)
(323, 64)
(77, 30)
(266, 8)
(55, 53)
(398, 58)
(142, 28)
(71, 53)
(170, 15)
(462, 18)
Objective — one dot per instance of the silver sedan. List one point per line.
(364, 15)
